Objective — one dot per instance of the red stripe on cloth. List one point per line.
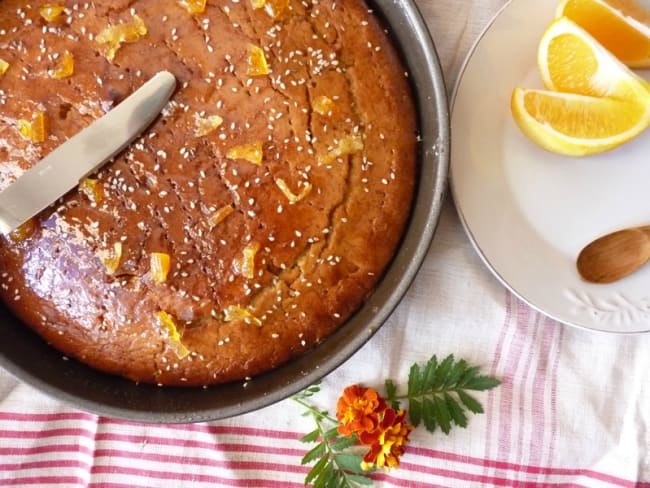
(213, 429)
(497, 480)
(555, 431)
(45, 433)
(460, 475)
(199, 427)
(45, 480)
(496, 366)
(268, 449)
(201, 461)
(103, 484)
(537, 427)
(537, 446)
(507, 386)
(52, 448)
(169, 441)
(45, 464)
(260, 449)
(47, 417)
(232, 448)
(185, 476)
(508, 466)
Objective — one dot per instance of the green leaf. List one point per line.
(470, 402)
(455, 373)
(468, 375)
(429, 414)
(442, 414)
(324, 477)
(314, 453)
(442, 371)
(482, 383)
(331, 433)
(391, 394)
(456, 411)
(415, 411)
(316, 470)
(349, 462)
(429, 374)
(311, 437)
(360, 480)
(437, 392)
(414, 380)
(343, 443)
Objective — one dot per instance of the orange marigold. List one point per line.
(387, 441)
(358, 410)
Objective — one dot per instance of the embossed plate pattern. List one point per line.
(529, 212)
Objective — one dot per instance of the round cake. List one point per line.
(248, 222)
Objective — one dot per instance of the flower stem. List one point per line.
(313, 410)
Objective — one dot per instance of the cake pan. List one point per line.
(31, 360)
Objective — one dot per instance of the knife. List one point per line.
(63, 169)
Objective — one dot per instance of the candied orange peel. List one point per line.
(167, 322)
(159, 266)
(273, 8)
(245, 264)
(65, 66)
(33, 130)
(92, 189)
(114, 36)
(350, 144)
(292, 197)
(236, 313)
(193, 6)
(111, 258)
(323, 105)
(253, 153)
(24, 231)
(219, 215)
(51, 11)
(4, 66)
(206, 125)
(257, 65)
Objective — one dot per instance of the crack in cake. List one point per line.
(248, 223)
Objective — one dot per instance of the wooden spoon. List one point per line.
(614, 256)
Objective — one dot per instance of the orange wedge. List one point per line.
(621, 26)
(578, 125)
(571, 60)
(594, 103)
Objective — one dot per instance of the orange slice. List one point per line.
(571, 60)
(621, 26)
(577, 125)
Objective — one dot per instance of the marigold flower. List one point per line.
(359, 410)
(387, 441)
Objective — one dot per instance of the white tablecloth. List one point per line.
(573, 409)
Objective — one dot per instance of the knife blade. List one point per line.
(63, 168)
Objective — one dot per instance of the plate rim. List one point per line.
(463, 219)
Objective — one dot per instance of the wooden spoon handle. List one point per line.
(614, 256)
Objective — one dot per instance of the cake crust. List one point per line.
(266, 260)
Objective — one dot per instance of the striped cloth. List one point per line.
(573, 409)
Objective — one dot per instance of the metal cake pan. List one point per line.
(31, 360)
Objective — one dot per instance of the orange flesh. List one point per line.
(627, 43)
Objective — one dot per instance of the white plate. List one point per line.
(529, 212)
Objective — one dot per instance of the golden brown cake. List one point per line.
(248, 222)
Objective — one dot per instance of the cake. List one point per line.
(248, 222)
